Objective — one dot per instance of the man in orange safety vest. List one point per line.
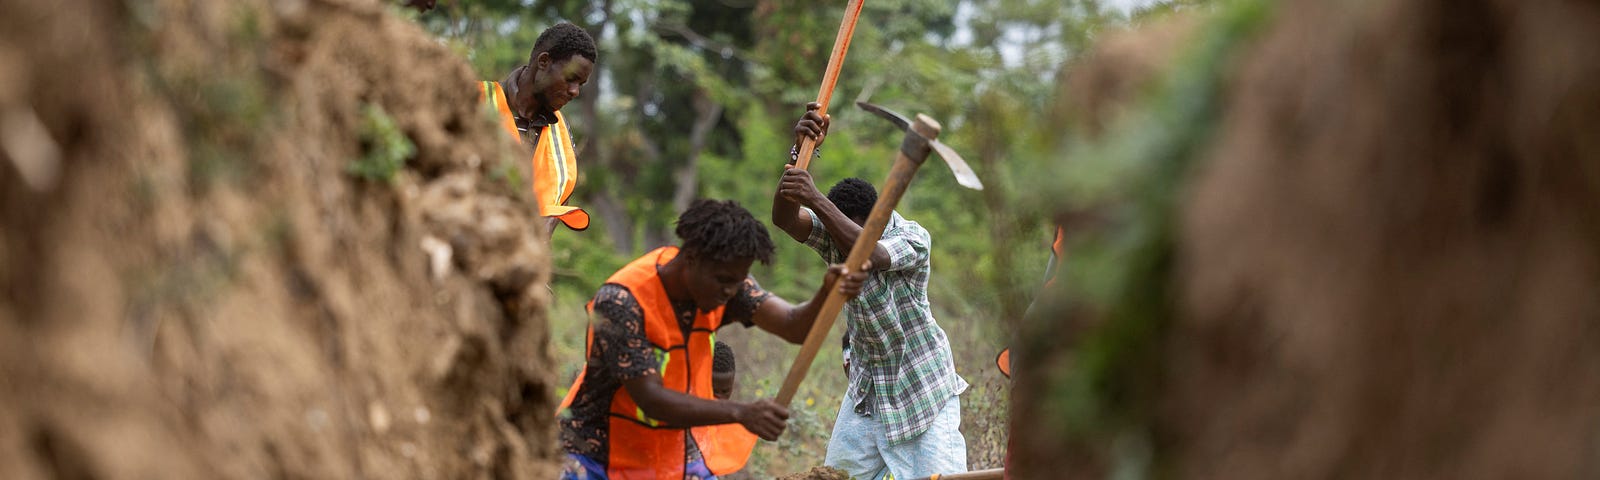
(528, 103)
(643, 406)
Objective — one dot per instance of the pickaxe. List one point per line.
(921, 137)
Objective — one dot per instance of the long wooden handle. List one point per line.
(991, 474)
(841, 44)
(905, 167)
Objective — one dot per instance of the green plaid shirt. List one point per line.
(901, 370)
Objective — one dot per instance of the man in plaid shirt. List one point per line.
(901, 417)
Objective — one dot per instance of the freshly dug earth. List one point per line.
(818, 473)
(192, 285)
(1387, 259)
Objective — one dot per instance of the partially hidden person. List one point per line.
(737, 442)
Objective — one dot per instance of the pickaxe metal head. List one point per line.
(964, 174)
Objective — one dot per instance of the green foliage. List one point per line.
(385, 146)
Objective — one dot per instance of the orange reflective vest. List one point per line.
(555, 166)
(642, 447)
(731, 445)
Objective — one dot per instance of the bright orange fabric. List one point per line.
(726, 447)
(555, 166)
(1004, 362)
(642, 447)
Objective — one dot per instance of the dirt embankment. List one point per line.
(1391, 262)
(193, 284)
(1387, 260)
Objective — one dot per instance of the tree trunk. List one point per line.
(707, 113)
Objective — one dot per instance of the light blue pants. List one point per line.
(861, 448)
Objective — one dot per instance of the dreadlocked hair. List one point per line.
(723, 231)
(854, 197)
(562, 41)
(722, 359)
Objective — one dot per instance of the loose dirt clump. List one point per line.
(818, 473)
(254, 239)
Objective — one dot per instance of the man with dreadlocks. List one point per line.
(642, 405)
(901, 415)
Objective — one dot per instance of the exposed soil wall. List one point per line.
(1392, 257)
(1387, 257)
(194, 284)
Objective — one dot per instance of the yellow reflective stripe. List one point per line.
(663, 359)
(639, 412)
(558, 148)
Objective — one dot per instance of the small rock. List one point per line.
(439, 255)
(34, 153)
(378, 417)
(317, 419)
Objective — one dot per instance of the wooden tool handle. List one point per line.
(991, 474)
(900, 175)
(830, 77)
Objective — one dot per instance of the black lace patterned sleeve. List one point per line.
(620, 344)
(742, 307)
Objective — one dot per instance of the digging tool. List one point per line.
(841, 44)
(991, 474)
(921, 138)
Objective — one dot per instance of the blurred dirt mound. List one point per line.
(194, 284)
(1095, 92)
(1388, 259)
(1392, 259)
(1122, 68)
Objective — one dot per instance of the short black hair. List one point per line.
(723, 231)
(722, 358)
(854, 197)
(562, 41)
